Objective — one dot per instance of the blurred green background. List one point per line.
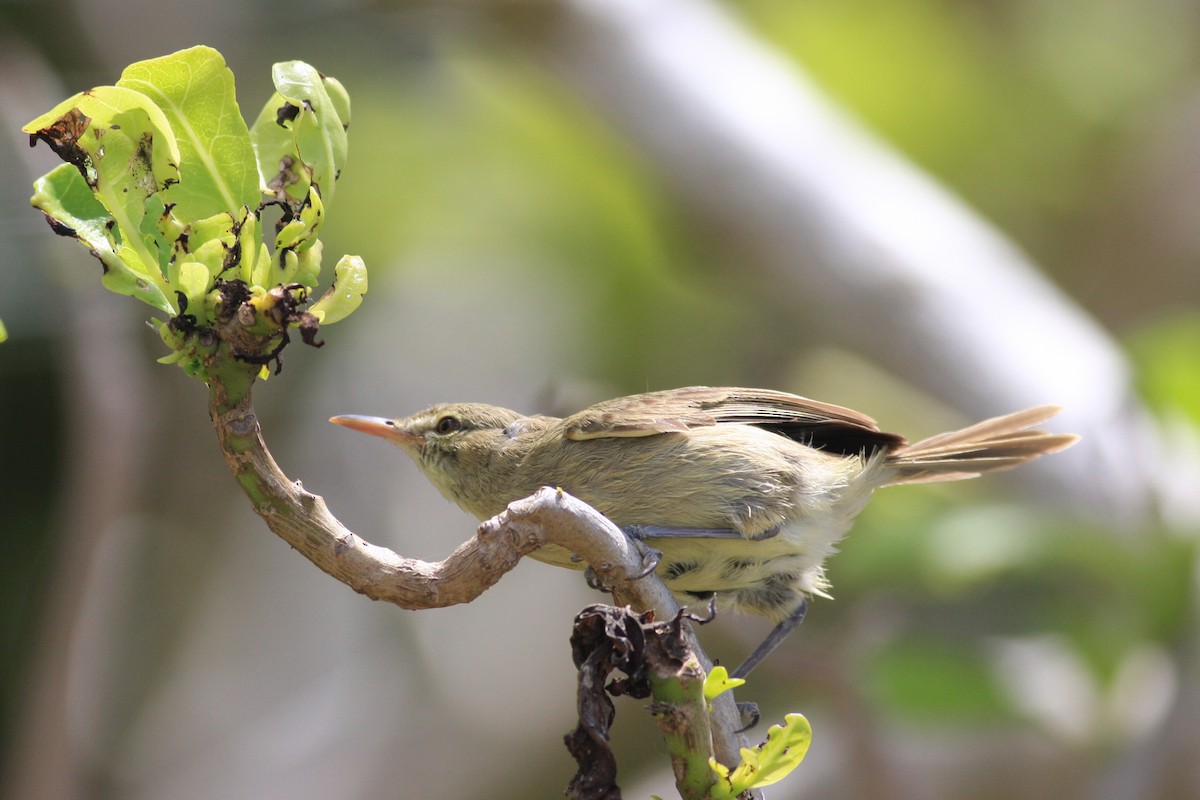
(524, 252)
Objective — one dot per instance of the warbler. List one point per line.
(744, 492)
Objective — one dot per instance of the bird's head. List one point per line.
(454, 444)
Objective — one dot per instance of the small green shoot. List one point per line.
(718, 681)
(771, 761)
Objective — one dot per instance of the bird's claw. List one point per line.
(650, 560)
(593, 580)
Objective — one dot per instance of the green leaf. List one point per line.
(280, 171)
(74, 126)
(3, 332)
(158, 230)
(308, 264)
(194, 281)
(770, 762)
(66, 199)
(123, 147)
(195, 91)
(346, 293)
(783, 751)
(300, 135)
(718, 682)
(301, 232)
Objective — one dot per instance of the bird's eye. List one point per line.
(448, 425)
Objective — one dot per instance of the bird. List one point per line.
(744, 492)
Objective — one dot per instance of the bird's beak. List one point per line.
(376, 426)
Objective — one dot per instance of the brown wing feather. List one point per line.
(818, 424)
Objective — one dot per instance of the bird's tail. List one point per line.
(989, 446)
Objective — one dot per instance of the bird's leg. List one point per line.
(663, 532)
(773, 640)
(749, 711)
(642, 532)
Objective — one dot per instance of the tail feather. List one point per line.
(989, 446)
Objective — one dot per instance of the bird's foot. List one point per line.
(593, 580)
(650, 559)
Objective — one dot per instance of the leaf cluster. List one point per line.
(165, 184)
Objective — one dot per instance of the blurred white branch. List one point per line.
(852, 235)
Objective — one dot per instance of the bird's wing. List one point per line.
(676, 410)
